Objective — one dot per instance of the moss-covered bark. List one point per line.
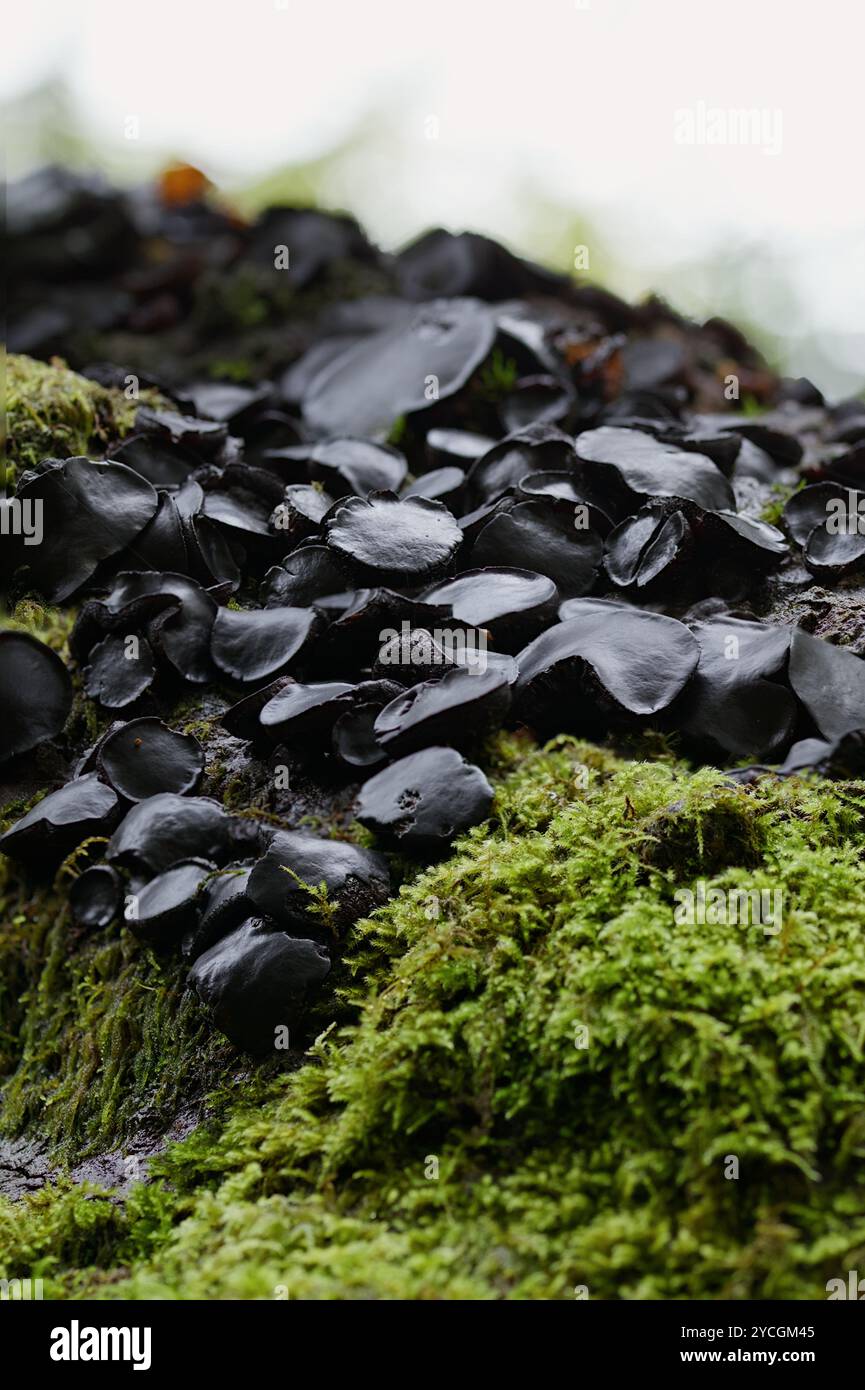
(541, 1078)
(52, 412)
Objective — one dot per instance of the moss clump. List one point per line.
(546, 1076)
(100, 1041)
(52, 412)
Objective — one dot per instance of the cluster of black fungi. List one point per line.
(546, 493)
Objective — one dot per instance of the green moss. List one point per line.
(51, 625)
(498, 377)
(773, 511)
(100, 1037)
(543, 1074)
(53, 412)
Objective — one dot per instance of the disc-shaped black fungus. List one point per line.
(647, 548)
(849, 467)
(90, 512)
(162, 463)
(536, 536)
(301, 512)
(391, 541)
(178, 612)
(424, 800)
(738, 701)
(202, 436)
(145, 757)
(456, 447)
(559, 484)
(180, 635)
(782, 446)
(357, 466)
(752, 462)
(602, 660)
(213, 558)
(165, 907)
(743, 540)
(368, 624)
(309, 574)
(441, 485)
(300, 712)
(119, 671)
(650, 363)
(260, 643)
(95, 897)
(241, 719)
(226, 401)
(244, 516)
(353, 735)
(539, 448)
(839, 758)
(402, 369)
(313, 240)
(35, 693)
(513, 605)
(60, 822)
(254, 982)
(442, 262)
(650, 468)
(162, 543)
(828, 521)
(286, 883)
(830, 682)
(813, 506)
(455, 709)
(833, 554)
(167, 828)
(223, 904)
(540, 399)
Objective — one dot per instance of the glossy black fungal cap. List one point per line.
(35, 693)
(145, 757)
(424, 800)
(255, 981)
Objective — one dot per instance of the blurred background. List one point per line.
(709, 152)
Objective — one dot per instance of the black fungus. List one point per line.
(311, 573)
(60, 822)
(255, 981)
(541, 536)
(95, 897)
(296, 713)
(421, 802)
(738, 703)
(423, 359)
(830, 682)
(355, 467)
(306, 883)
(604, 662)
(538, 448)
(167, 828)
(35, 693)
(648, 549)
(119, 671)
(646, 467)
(391, 541)
(455, 708)
(260, 643)
(165, 907)
(513, 605)
(91, 511)
(145, 757)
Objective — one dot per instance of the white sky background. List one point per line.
(577, 104)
